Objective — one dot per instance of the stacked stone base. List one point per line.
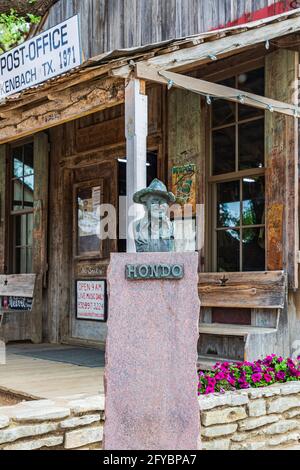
(256, 419)
(65, 424)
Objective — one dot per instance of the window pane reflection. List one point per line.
(223, 110)
(228, 204)
(228, 250)
(28, 159)
(254, 249)
(224, 151)
(251, 145)
(251, 82)
(254, 201)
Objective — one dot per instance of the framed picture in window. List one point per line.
(91, 300)
(88, 197)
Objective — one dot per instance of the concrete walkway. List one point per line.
(52, 371)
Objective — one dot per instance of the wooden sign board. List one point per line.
(184, 186)
(91, 300)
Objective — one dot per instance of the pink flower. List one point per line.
(256, 377)
(220, 376)
(280, 375)
(268, 378)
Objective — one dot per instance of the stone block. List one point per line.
(223, 416)
(257, 408)
(208, 402)
(254, 423)
(80, 421)
(281, 427)
(218, 431)
(87, 405)
(34, 444)
(284, 438)
(4, 422)
(257, 445)
(47, 414)
(217, 444)
(282, 404)
(19, 432)
(83, 437)
(290, 388)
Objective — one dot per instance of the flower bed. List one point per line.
(245, 375)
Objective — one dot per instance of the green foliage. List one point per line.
(14, 28)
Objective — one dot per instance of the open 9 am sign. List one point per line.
(91, 300)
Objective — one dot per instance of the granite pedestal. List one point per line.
(151, 356)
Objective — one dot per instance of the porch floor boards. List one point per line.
(38, 378)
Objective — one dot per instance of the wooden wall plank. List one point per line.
(281, 140)
(3, 194)
(243, 290)
(63, 107)
(40, 231)
(110, 24)
(17, 285)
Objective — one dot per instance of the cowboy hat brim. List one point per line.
(169, 197)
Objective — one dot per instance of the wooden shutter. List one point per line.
(3, 193)
(281, 142)
(40, 229)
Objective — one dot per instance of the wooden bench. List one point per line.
(18, 289)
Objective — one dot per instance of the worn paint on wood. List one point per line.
(243, 290)
(17, 285)
(115, 24)
(2, 206)
(281, 153)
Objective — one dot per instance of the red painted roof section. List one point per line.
(276, 9)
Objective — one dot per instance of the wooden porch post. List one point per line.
(136, 123)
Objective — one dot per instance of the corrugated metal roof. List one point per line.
(119, 57)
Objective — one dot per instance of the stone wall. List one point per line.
(255, 419)
(65, 424)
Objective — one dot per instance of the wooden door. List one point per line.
(92, 188)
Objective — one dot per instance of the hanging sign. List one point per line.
(51, 53)
(91, 300)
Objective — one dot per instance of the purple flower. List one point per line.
(256, 378)
(268, 378)
(220, 376)
(280, 375)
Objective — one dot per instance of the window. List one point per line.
(237, 183)
(89, 197)
(22, 200)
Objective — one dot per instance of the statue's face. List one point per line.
(156, 207)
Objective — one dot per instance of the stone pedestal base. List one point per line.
(151, 355)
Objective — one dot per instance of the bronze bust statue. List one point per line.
(154, 232)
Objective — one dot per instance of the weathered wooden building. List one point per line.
(224, 102)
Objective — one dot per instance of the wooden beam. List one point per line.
(136, 129)
(64, 106)
(243, 290)
(213, 89)
(281, 161)
(220, 48)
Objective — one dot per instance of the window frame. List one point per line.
(14, 213)
(237, 175)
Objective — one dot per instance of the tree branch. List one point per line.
(40, 7)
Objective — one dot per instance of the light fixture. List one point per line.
(123, 160)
